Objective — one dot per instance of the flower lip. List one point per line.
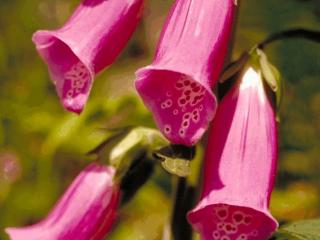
(232, 222)
(72, 77)
(182, 106)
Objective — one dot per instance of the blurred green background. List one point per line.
(42, 147)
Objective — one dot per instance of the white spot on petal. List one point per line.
(225, 237)
(69, 93)
(221, 212)
(216, 235)
(169, 103)
(182, 102)
(237, 217)
(230, 228)
(182, 132)
(247, 219)
(186, 116)
(78, 77)
(166, 104)
(242, 236)
(167, 129)
(254, 233)
(179, 84)
(185, 124)
(195, 116)
(220, 226)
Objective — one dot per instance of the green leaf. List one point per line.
(272, 77)
(139, 141)
(130, 151)
(277, 77)
(176, 159)
(267, 71)
(177, 166)
(301, 230)
(279, 91)
(127, 145)
(106, 146)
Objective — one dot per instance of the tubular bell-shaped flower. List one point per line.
(240, 166)
(176, 87)
(90, 41)
(86, 210)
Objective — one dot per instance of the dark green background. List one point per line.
(47, 144)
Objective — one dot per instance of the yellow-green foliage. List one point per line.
(49, 144)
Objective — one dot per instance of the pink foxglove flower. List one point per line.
(240, 167)
(86, 210)
(176, 87)
(90, 41)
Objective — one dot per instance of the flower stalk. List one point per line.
(183, 202)
(289, 34)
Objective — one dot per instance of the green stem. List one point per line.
(292, 33)
(181, 229)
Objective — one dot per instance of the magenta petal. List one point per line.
(86, 210)
(90, 41)
(240, 167)
(176, 87)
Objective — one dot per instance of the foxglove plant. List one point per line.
(176, 87)
(89, 42)
(240, 166)
(86, 210)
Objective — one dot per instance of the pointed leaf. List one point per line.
(267, 71)
(301, 230)
(126, 145)
(177, 166)
(105, 147)
(176, 159)
(272, 77)
(279, 90)
(139, 141)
